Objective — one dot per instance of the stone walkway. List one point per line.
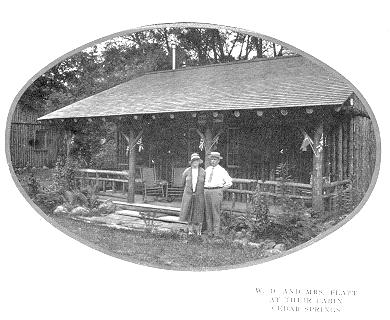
(133, 220)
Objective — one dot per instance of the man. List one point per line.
(217, 180)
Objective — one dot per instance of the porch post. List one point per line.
(340, 152)
(318, 155)
(131, 177)
(68, 138)
(208, 140)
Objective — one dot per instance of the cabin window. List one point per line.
(40, 140)
(233, 146)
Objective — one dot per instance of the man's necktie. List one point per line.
(211, 175)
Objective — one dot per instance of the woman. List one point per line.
(192, 205)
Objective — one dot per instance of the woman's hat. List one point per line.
(215, 154)
(195, 156)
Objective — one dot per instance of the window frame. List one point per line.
(44, 146)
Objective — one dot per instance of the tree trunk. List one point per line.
(208, 137)
(318, 155)
(132, 154)
(345, 149)
(350, 149)
(258, 43)
(68, 140)
(248, 48)
(333, 156)
(340, 152)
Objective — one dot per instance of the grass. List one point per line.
(163, 250)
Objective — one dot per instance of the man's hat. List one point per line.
(215, 154)
(195, 156)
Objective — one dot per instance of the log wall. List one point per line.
(23, 130)
(352, 148)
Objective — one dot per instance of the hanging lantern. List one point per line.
(284, 112)
(236, 113)
(172, 116)
(215, 114)
(259, 113)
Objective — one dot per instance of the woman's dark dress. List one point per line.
(192, 205)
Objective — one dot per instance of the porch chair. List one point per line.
(152, 187)
(175, 189)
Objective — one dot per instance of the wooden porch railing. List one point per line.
(104, 179)
(241, 191)
(334, 188)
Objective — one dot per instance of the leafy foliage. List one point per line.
(64, 173)
(292, 228)
(85, 198)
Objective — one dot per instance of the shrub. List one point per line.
(254, 222)
(291, 228)
(64, 173)
(32, 185)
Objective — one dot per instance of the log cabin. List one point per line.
(257, 113)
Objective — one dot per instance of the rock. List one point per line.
(244, 241)
(107, 207)
(280, 246)
(80, 211)
(60, 210)
(239, 235)
(255, 244)
(44, 167)
(237, 243)
(241, 242)
(218, 240)
(271, 252)
(269, 244)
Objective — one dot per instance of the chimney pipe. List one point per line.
(173, 56)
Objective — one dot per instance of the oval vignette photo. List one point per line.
(193, 146)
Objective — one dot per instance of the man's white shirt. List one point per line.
(219, 179)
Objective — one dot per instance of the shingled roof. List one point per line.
(265, 83)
